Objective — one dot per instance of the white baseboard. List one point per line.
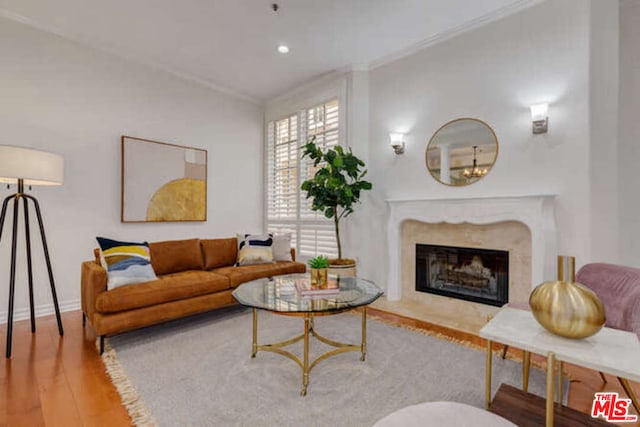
(40, 310)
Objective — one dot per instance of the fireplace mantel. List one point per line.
(535, 211)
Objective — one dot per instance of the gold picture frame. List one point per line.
(162, 182)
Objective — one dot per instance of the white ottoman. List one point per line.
(443, 414)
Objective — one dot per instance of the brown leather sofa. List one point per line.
(194, 276)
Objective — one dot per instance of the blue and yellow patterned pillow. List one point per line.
(126, 263)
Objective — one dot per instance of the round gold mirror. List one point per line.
(461, 152)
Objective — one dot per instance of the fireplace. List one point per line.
(478, 275)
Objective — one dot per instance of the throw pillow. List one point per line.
(255, 249)
(282, 247)
(126, 263)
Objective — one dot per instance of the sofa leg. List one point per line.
(101, 344)
(84, 320)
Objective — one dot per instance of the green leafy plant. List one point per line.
(336, 186)
(319, 262)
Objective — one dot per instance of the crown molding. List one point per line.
(310, 84)
(129, 57)
(453, 32)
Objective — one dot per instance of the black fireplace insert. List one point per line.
(478, 275)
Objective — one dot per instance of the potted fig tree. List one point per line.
(334, 190)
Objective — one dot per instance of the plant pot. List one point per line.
(318, 278)
(342, 267)
(567, 308)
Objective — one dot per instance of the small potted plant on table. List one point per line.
(334, 189)
(319, 266)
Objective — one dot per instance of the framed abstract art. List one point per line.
(162, 182)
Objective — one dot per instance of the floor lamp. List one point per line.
(24, 166)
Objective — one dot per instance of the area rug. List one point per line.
(198, 372)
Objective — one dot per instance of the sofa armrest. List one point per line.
(93, 281)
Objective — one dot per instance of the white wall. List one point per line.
(629, 133)
(493, 73)
(603, 103)
(59, 96)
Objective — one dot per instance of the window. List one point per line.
(287, 209)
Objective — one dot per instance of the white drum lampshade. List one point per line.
(35, 167)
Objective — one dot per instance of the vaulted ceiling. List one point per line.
(231, 44)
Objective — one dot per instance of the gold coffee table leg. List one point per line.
(308, 320)
(254, 347)
(487, 378)
(304, 363)
(364, 333)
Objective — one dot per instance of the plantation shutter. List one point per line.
(288, 210)
(317, 234)
(282, 176)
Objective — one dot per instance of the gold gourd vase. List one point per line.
(567, 308)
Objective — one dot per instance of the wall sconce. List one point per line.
(397, 142)
(540, 118)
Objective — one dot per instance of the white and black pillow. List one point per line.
(255, 249)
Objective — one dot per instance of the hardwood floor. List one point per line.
(57, 381)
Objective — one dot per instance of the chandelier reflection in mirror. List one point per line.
(461, 152)
(475, 171)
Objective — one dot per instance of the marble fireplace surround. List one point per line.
(534, 211)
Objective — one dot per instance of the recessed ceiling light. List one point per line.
(283, 48)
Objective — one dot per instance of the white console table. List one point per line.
(611, 351)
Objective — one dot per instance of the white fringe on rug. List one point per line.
(131, 400)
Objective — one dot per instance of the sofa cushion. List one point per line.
(170, 287)
(219, 252)
(246, 273)
(174, 256)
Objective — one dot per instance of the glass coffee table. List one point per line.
(279, 295)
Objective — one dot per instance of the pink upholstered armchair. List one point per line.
(619, 289)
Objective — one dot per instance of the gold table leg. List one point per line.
(487, 378)
(550, 386)
(305, 364)
(254, 347)
(363, 347)
(560, 382)
(308, 321)
(526, 364)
